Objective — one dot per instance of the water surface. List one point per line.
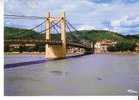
(97, 74)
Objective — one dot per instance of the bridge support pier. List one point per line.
(56, 51)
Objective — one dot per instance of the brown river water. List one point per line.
(98, 74)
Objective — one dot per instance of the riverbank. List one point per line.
(120, 53)
(24, 53)
(43, 53)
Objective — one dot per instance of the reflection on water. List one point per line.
(98, 78)
(56, 72)
(97, 74)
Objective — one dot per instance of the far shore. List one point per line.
(24, 53)
(43, 53)
(120, 53)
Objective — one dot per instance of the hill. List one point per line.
(96, 35)
(16, 33)
(92, 35)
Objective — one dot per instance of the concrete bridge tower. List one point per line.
(56, 51)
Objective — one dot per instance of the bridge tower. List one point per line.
(56, 51)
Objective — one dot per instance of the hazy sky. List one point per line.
(116, 15)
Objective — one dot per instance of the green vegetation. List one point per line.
(123, 46)
(91, 35)
(15, 33)
(96, 35)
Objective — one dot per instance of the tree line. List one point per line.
(39, 47)
(122, 46)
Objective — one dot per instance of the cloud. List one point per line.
(127, 24)
(115, 1)
(86, 27)
(119, 22)
(118, 15)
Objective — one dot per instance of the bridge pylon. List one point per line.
(56, 51)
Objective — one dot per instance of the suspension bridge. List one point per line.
(59, 25)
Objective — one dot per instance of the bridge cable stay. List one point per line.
(55, 32)
(75, 31)
(55, 27)
(50, 27)
(84, 42)
(77, 39)
(69, 31)
(71, 25)
(32, 29)
(38, 25)
(24, 17)
(30, 17)
(45, 29)
(41, 28)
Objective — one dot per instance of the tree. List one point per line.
(22, 48)
(40, 47)
(123, 46)
(6, 48)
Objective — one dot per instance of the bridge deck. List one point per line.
(51, 42)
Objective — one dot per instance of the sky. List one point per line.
(115, 15)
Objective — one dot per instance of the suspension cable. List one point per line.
(24, 17)
(32, 29)
(38, 25)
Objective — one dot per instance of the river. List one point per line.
(98, 74)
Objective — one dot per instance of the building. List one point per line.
(15, 47)
(101, 46)
(137, 48)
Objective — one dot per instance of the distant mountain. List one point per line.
(93, 35)
(136, 36)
